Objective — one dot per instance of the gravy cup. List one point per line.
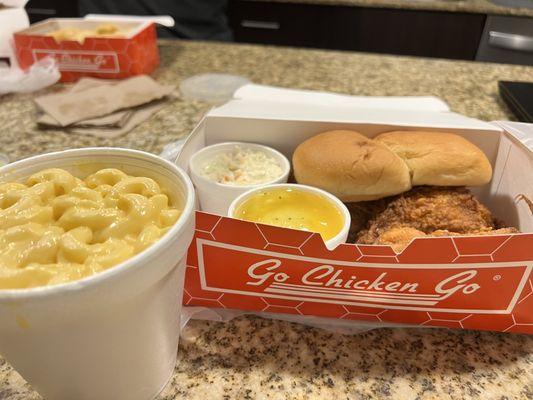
(339, 238)
(113, 335)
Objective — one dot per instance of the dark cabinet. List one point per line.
(42, 9)
(393, 31)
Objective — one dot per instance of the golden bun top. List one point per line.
(350, 166)
(439, 158)
(355, 168)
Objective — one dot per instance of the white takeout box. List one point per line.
(488, 275)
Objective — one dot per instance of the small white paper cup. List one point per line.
(216, 197)
(341, 237)
(113, 335)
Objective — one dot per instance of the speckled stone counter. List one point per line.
(253, 358)
(467, 6)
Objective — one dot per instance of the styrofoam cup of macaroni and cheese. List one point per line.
(91, 271)
(221, 172)
(295, 206)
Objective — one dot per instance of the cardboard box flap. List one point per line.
(254, 91)
(284, 126)
(521, 131)
(511, 194)
(164, 20)
(315, 112)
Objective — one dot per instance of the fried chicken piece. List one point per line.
(360, 213)
(398, 238)
(500, 231)
(428, 209)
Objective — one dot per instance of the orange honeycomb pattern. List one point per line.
(111, 58)
(486, 249)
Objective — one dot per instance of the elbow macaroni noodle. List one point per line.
(57, 228)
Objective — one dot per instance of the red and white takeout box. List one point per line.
(101, 57)
(476, 282)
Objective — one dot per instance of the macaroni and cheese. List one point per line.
(57, 228)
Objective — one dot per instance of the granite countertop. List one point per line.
(254, 358)
(467, 6)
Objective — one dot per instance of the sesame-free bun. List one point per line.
(350, 166)
(439, 158)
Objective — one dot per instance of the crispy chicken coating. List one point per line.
(361, 213)
(398, 238)
(428, 209)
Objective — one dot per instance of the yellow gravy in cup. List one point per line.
(292, 208)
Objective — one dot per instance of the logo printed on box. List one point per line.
(461, 288)
(81, 61)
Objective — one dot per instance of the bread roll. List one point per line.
(439, 158)
(350, 166)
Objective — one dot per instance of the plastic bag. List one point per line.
(42, 74)
(170, 151)
(343, 326)
(4, 159)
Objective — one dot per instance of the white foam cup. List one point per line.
(216, 197)
(113, 335)
(332, 243)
